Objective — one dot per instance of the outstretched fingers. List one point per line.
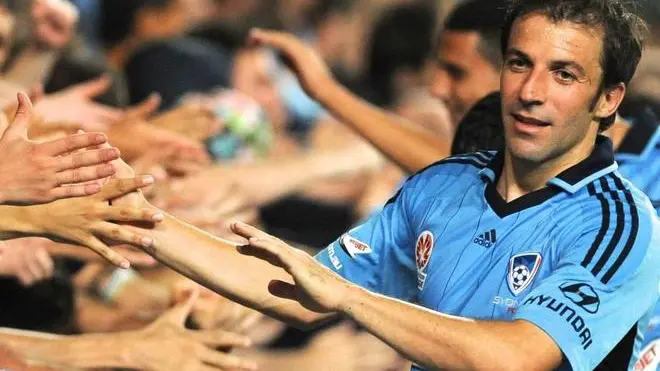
(246, 231)
(86, 158)
(267, 249)
(120, 187)
(118, 233)
(106, 252)
(72, 143)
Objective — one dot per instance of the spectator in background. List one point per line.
(175, 67)
(127, 24)
(645, 86)
(468, 58)
(400, 43)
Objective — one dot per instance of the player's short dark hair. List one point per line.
(485, 17)
(622, 39)
(117, 19)
(481, 128)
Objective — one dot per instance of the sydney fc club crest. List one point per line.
(522, 269)
(423, 250)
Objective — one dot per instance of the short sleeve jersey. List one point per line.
(577, 258)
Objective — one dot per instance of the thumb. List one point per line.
(179, 313)
(93, 88)
(21, 122)
(145, 108)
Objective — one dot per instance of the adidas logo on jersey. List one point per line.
(486, 239)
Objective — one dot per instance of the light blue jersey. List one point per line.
(639, 161)
(577, 258)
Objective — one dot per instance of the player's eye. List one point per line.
(565, 77)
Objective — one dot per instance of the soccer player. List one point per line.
(540, 256)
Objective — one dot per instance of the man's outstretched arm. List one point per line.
(216, 264)
(433, 340)
(407, 144)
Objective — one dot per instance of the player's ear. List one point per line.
(609, 101)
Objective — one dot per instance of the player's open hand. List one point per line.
(87, 220)
(40, 172)
(312, 72)
(166, 345)
(315, 287)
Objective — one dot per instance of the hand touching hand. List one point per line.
(33, 172)
(83, 221)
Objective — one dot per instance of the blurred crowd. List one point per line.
(229, 133)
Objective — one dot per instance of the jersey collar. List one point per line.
(599, 163)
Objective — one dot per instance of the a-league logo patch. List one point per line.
(423, 249)
(522, 269)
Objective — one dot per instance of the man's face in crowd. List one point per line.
(550, 78)
(253, 75)
(463, 76)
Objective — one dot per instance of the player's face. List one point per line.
(550, 77)
(462, 75)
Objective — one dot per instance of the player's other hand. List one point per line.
(312, 72)
(314, 286)
(166, 345)
(40, 172)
